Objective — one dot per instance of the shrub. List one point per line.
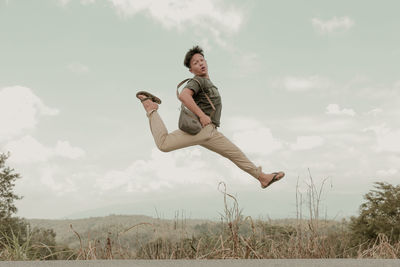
(380, 214)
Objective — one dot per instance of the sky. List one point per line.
(311, 88)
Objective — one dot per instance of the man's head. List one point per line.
(194, 60)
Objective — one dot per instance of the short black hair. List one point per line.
(194, 50)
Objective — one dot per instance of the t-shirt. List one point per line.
(201, 99)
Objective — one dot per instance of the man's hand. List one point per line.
(186, 96)
(205, 120)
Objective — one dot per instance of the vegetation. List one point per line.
(7, 197)
(373, 234)
(17, 240)
(235, 236)
(380, 214)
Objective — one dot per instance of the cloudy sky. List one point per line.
(307, 87)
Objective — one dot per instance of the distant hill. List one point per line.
(128, 228)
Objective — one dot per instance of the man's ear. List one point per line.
(190, 69)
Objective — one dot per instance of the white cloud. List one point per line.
(375, 112)
(258, 141)
(334, 109)
(181, 13)
(242, 123)
(205, 44)
(206, 17)
(385, 173)
(181, 167)
(19, 110)
(29, 150)
(47, 179)
(53, 177)
(252, 136)
(307, 142)
(332, 25)
(84, 2)
(26, 150)
(64, 2)
(247, 63)
(65, 150)
(386, 139)
(319, 166)
(78, 68)
(313, 125)
(301, 84)
(218, 19)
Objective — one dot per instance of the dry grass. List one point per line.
(381, 249)
(239, 237)
(234, 237)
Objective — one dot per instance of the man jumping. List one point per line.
(194, 98)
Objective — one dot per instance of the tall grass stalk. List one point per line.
(13, 250)
(14, 247)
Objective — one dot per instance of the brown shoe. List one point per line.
(148, 96)
(275, 178)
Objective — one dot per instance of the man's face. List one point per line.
(198, 65)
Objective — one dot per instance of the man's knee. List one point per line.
(164, 148)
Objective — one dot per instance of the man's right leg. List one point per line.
(171, 141)
(177, 139)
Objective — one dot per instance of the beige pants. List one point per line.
(208, 137)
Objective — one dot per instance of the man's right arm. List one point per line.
(186, 97)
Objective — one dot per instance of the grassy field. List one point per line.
(234, 236)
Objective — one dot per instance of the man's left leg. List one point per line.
(223, 146)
